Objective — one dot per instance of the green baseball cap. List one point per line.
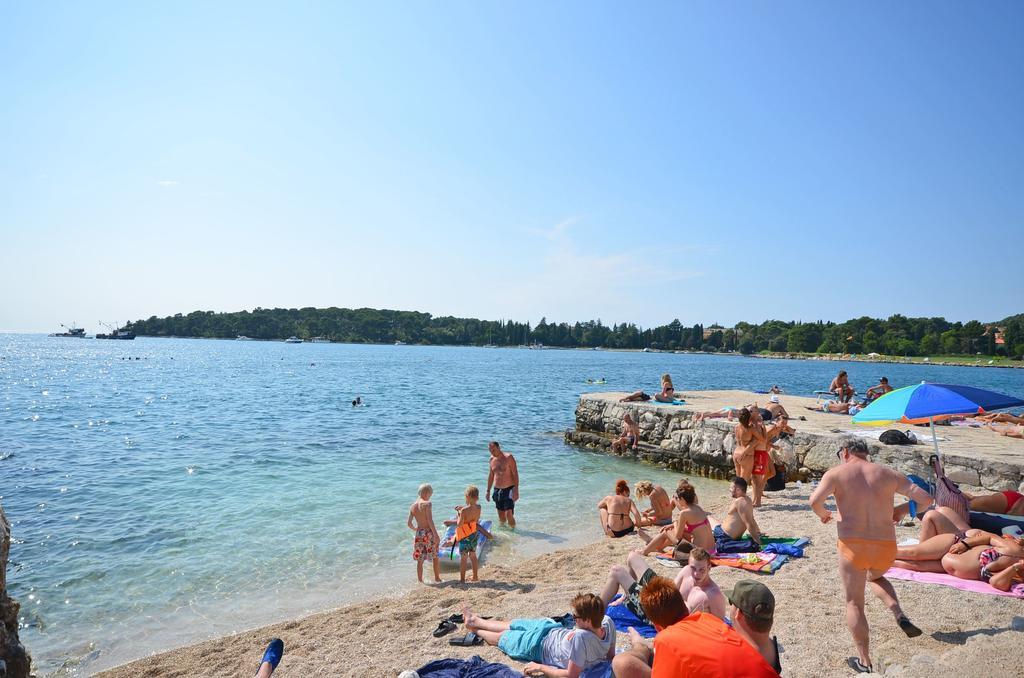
(753, 599)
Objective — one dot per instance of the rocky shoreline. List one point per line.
(671, 437)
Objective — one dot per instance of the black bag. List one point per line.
(894, 437)
(778, 481)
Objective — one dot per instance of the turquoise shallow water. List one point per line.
(210, 486)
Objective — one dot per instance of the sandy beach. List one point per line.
(964, 632)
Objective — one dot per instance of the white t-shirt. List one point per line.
(581, 647)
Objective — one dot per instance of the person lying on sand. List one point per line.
(693, 581)
(832, 407)
(1009, 432)
(660, 513)
(1000, 418)
(691, 524)
(550, 648)
(727, 412)
(619, 515)
(974, 554)
(630, 437)
(740, 517)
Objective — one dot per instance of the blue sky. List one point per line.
(712, 162)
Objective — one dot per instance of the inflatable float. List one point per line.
(450, 555)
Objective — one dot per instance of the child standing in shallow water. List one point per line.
(468, 531)
(427, 540)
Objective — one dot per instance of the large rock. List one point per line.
(671, 437)
(13, 656)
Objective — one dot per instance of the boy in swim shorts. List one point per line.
(426, 541)
(468, 531)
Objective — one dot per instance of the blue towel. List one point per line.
(785, 550)
(601, 670)
(474, 667)
(726, 544)
(623, 619)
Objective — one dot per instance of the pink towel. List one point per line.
(1016, 591)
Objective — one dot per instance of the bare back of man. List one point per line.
(864, 493)
(740, 518)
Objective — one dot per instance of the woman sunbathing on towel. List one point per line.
(973, 555)
(1009, 502)
(619, 515)
(691, 525)
(552, 649)
(668, 392)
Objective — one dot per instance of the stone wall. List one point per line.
(13, 657)
(670, 437)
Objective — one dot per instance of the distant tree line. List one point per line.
(896, 335)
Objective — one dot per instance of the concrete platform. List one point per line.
(978, 458)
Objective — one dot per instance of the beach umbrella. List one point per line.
(924, 403)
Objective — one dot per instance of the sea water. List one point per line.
(163, 491)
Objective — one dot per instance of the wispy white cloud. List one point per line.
(573, 281)
(167, 183)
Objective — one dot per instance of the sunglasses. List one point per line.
(839, 453)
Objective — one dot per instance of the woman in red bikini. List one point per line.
(691, 525)
(1007, 501)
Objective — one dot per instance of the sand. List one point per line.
(967, 633)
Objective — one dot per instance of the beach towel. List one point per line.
(600, 670)
(1016, 591)
(794, 541)
(474, 667)
(652, 401)
(994, 522)
(785, 550)
(752, 562)
(623, 619)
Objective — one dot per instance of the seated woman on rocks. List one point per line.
(552, 649)
(619, 515)
(667, 394)
(976, 554)
(691, 526)
(660, 513)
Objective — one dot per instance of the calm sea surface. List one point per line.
(164, 491)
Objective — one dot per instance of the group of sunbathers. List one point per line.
(692, 527)
(667, 394)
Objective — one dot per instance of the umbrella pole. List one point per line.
(935, 438)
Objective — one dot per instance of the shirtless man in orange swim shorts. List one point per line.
(864, 494)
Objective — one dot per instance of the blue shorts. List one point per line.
(503, 498)
(524, 640)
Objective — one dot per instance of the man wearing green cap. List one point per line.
(753, 612)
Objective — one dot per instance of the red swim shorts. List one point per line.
(760, 462)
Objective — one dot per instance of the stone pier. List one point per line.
(976, 458)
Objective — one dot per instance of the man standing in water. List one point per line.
(864, 494)
(504, 477)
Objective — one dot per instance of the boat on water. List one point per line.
(320, 340)
(293, 340)
(74, 332)
(242, 337)
(399, 343)
(115, 332)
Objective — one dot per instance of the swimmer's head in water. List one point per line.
(621, 487)
(425, 491)
(472, 492)
(686, 491)
(644, 489)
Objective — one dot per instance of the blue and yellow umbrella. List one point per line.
(925, 403)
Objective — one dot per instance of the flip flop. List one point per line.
(444, 628)
(468, 640)
(457, 619)
(908, 627)
(857, 667)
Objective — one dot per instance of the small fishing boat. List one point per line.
(293, 340)
(74, 332)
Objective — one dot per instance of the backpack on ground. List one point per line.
(894, 437)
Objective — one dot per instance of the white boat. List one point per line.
(399, 343)
(320, 340)
(242, 337)
(293, 340)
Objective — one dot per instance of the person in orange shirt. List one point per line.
(705, 646)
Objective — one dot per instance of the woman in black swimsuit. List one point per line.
(619, 515)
